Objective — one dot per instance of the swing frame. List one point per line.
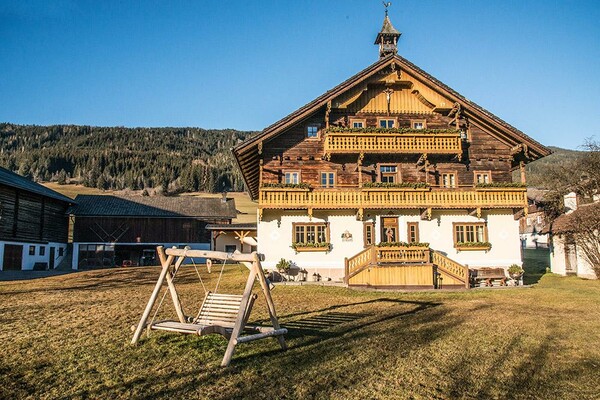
(171, 261)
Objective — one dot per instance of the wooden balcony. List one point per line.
(355, 141)
(392, 198)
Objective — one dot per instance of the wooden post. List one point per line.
(165, 269)
(522, 168)
(239, 322)
(270, 305)
(346, 271)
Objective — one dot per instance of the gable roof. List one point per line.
(17, 181)
(246, 153)
(154, 207)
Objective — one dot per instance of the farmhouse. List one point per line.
(574, 237)
(390, 178)
(34, 225)
(112, 230)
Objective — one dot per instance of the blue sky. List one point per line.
(246, 64)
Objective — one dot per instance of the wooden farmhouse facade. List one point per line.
(391, 178)
(125, 231)
(34, 225)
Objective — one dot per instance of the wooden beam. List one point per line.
(221, 255)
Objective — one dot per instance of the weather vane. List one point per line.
(386, 5)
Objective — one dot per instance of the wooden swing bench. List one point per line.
(224, 314)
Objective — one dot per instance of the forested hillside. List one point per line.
(180, 159)
(537, 171)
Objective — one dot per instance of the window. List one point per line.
(470, 232)
(528, 221)
(292, 177)
(386, 123)
(61, 251)
(389, 229)
(357, 123)
(32, 250)
(42, 250)
(418, 124)
(540, 219)
(312, 131)
(230, 248)
(311, 233)
(327, 179)
(449, 180)
(413, 232)
(483, 177)
(388, 173)
(369, 233)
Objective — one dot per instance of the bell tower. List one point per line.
(387, 38)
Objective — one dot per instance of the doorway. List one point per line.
(570, 258)
(51, 259)
(13, 257)
(389, 229)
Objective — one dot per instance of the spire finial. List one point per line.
(386, 5)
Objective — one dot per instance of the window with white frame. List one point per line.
(483, 177)
(312, 131)
(387, 123)
(388, 173)
(292, 177)
(327, 179)
(449, 180)
(418, 124)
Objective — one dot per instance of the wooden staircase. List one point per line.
(394, 265)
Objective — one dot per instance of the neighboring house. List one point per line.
(567, 256)
(34, 225)
(111, 230)
(531, 225)
(232, 237)
(390, 155)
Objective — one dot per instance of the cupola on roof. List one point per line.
(387, 38)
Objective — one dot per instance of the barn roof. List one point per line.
(232, 227)
(155, 207)
(17, 181)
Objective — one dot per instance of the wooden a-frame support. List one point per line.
(252, 262)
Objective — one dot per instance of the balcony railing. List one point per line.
(390, 198)
(392, 141)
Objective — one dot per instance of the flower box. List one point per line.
(473, 246)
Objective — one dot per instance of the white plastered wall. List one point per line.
(275, 238)
(30, 260)
(558, 260)
(230, 239)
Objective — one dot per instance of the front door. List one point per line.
(570, 258)
(13, 257)
(51, 259)
(389, 229)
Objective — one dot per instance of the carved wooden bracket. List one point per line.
(359, 214)
(475, 212)
(426, 214)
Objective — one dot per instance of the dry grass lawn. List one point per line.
(68, 337)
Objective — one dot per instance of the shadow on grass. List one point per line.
(321, 344)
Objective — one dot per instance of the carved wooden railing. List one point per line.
(403, 254)
(360, 261)
(451, 267)
(382, 198)
(414, 143)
